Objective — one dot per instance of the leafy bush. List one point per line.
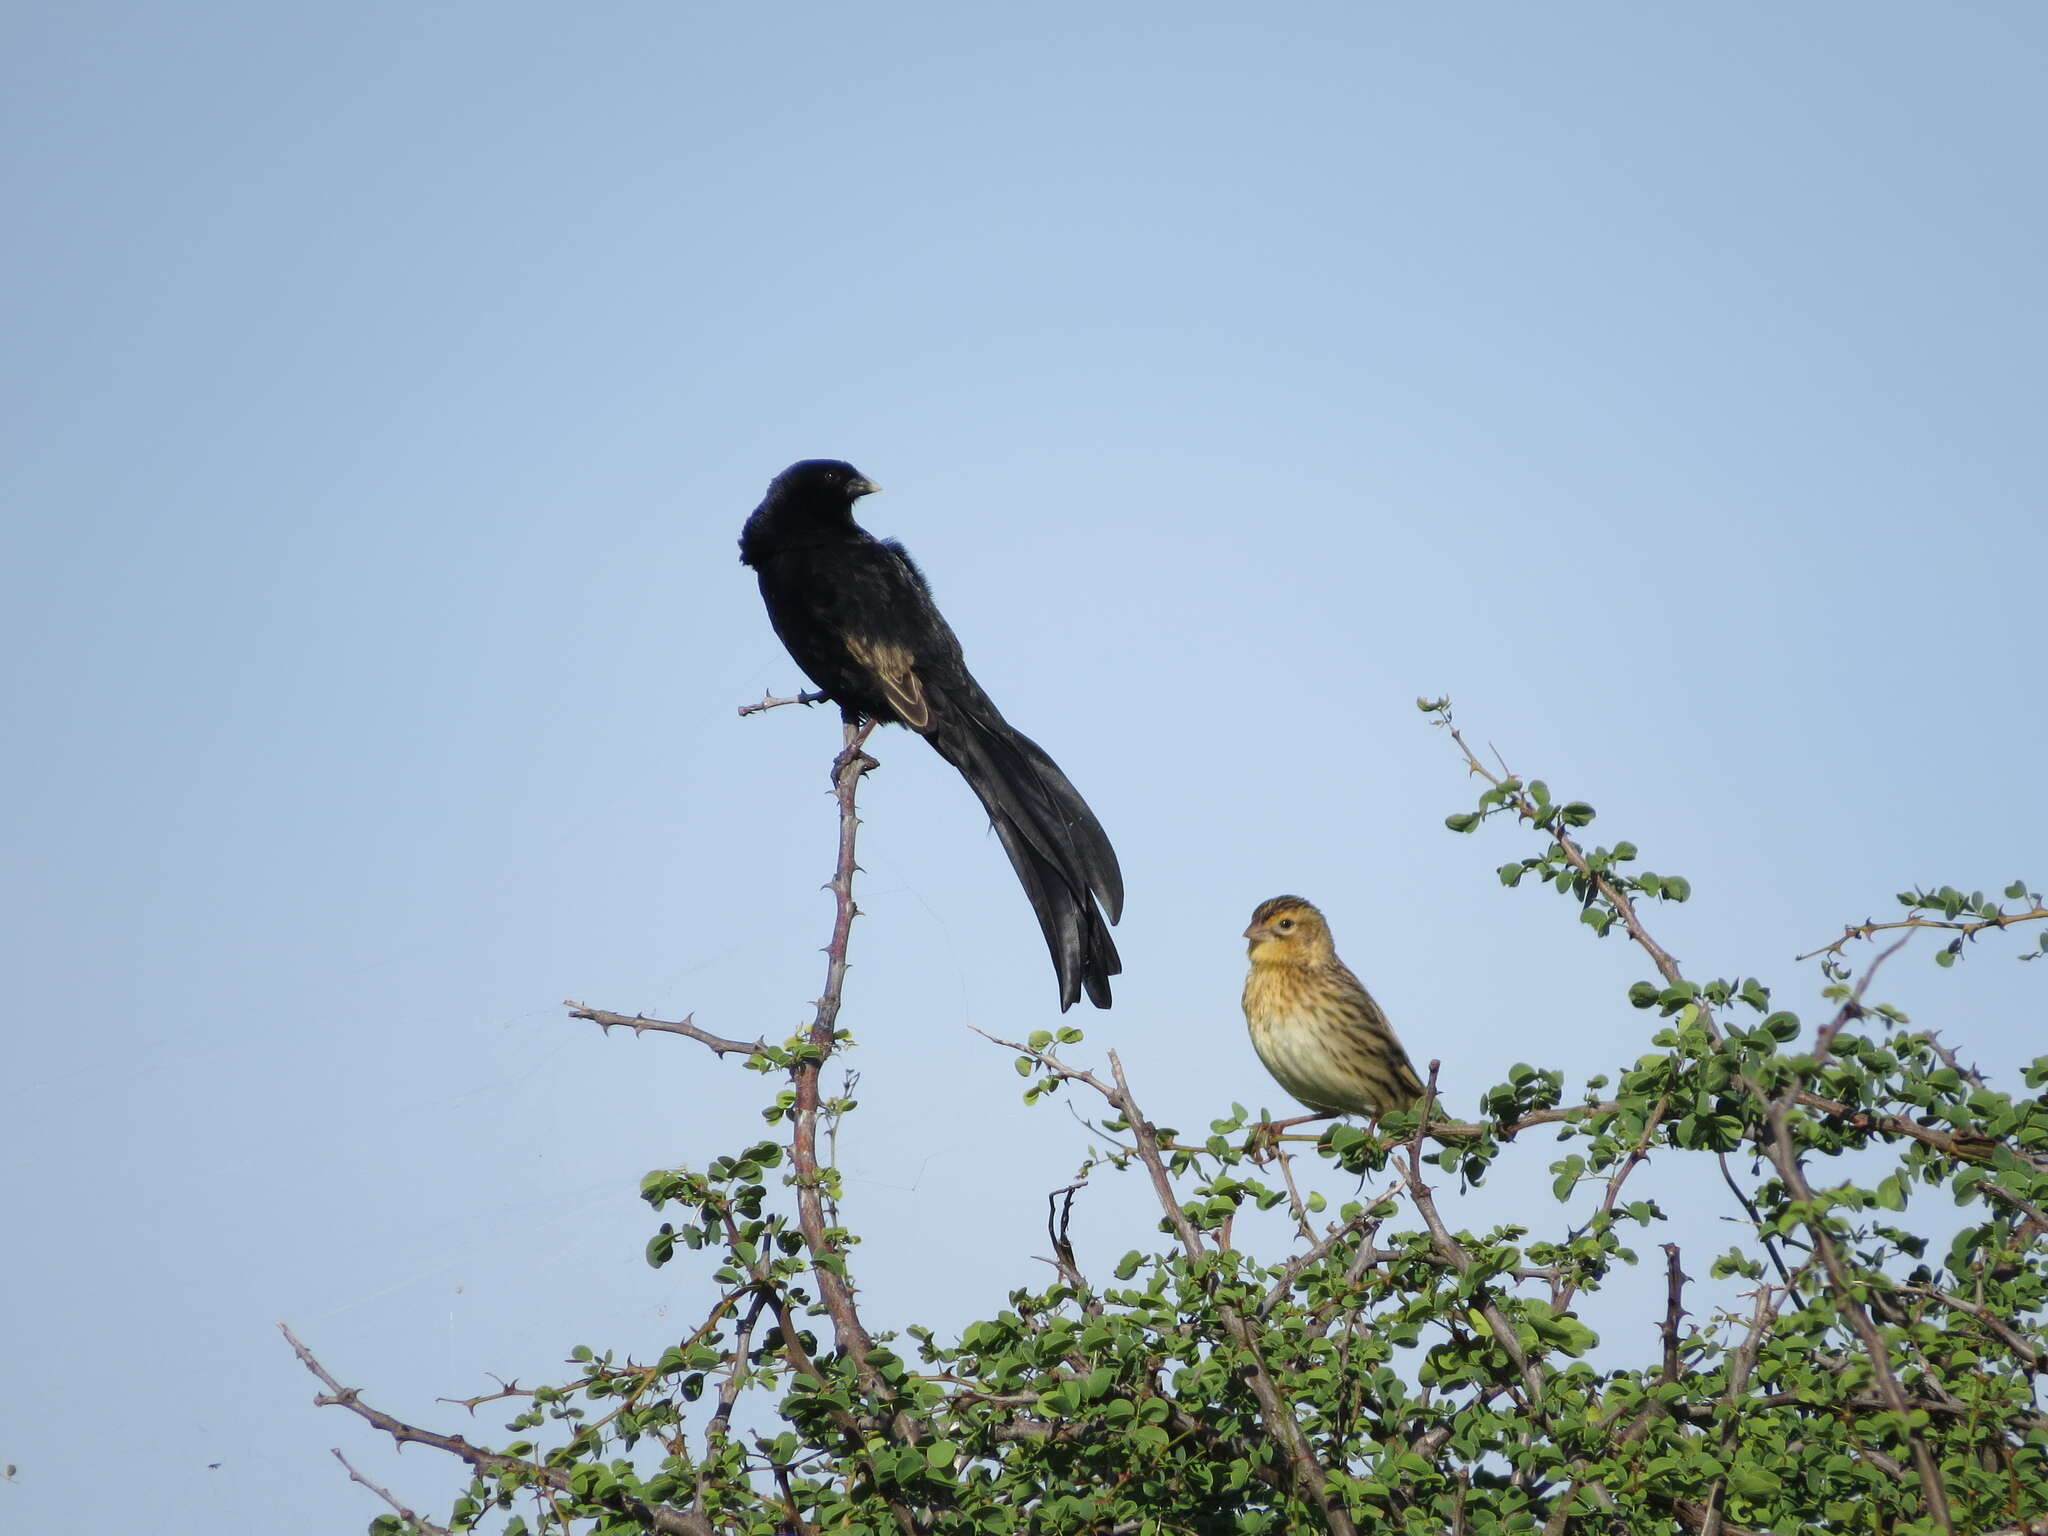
(1388, 1373)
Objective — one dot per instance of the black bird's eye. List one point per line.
(1284, 924)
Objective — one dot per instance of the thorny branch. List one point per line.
(655, 1517)
(420, 1522)
(1296, 1469)
(1566, 1286)
(833, 1289)
(639, 1023)
(835, 1293)
(827, 1254)
(1779, 1147)
(1774, 1138)
(1964, 930)
(1674, 1309)
(1551, 820)
(770, 701)
(1453, 1252)
(1768, 1299)
(1309, 1478)
(1955, 1144)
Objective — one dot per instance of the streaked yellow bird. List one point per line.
(1313, 1023)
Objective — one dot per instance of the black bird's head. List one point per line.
(822, 483)
(810, 499)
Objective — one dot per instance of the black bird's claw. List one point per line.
(851, 756)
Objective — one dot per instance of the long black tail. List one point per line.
(1061, 855)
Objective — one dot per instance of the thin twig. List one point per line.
(419, 1522)
(1453, 1251)
(1768, 1300)
(2028, 1355)
(770, 701)
(1567, 1286)
(1310, 1479)
(1756, 1219)
(1674, 1309)
(1363, 1225)
(1059, 1216)
(2036, 1218)
(1778, 1146)
(1968, 930)
(1295, 1205)
(505, 1389)
(1852, 1005)
(1552, 822)
(656, 1517)
(729, 1390)
(639, 1023)
(1969, 1075)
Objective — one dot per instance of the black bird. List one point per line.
(858, 617)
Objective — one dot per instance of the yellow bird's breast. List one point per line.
(1303, 1045)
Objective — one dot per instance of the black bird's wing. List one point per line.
(858, 617)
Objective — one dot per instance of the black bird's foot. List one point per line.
(851, 756)
(859, 762)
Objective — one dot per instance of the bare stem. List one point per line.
(834, 1290)
(1550, 819)
(655, 1517)
(1967, 930)
(770, 701)
(419, 1522)
(1778, 1146)
(639, 1023)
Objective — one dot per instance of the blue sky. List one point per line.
(386, 386)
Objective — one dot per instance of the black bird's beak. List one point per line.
(859, 486)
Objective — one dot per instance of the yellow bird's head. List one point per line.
(1288, 931)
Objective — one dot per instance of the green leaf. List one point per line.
(1567, 1171)
(1754, 1481)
